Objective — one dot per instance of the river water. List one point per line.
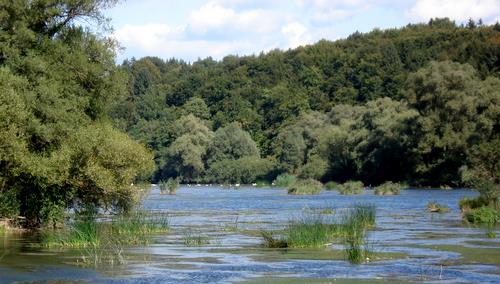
(409, 244)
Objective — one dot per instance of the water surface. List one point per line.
(412, 245)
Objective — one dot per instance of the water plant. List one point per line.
(170, 186)
(86, 232)
(435, 207)
(307, 232)
(483, 215)
(285, 180)
(193, 240)
(388, 188)
(331, 185)
(350, 188)
(306, 186)
(356, 222)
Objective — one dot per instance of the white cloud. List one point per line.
(147, 36)
(296, 34)
(213, 17)
(460, 10)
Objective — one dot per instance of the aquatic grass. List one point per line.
(305, 187)
(351, 188)
(356, 222)
(483, 215)
(285, 180)
(192, 240)
(388, 188)
(169, 187)
(310, 231)
(435, 207)
(86, 232)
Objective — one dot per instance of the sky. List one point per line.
(193, 29)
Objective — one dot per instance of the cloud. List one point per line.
(296, 34)
(459, 10)
(147, 36)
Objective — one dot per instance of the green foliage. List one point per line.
(57, 84)
(86, 232)
(170, 186)
(435, 207)
(388, 188)
(305, 186)
(244, 170)
(483, 215)
(355, 224)
(331, 185)
(9, 203)
(231, 142)
(307, 232)
(351, 187)
(285, 180)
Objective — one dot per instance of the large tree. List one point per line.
(57, 148)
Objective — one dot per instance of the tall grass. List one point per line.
(307, 232)
(306, 186)
(350, 188)
(355, 225)
(170, 186)
(86, 231)
(388, 188)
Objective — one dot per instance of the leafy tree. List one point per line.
(231, 142)
(57, 81)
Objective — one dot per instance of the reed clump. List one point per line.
(305, 187)
(388, 188)
(351, 188)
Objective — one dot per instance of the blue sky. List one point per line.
(200, 28)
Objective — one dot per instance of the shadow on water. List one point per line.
(410, 244)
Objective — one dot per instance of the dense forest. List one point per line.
(419, 104)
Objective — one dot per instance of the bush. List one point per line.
(306, 186)
(9, 204)
(331, 185)
(351, 187)
(483, 215)
(285, 180)
(388, 188)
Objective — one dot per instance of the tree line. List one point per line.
(406, 104)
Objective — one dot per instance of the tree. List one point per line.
(57, 150)
(231, 142)
(185, 156)
(456, 110)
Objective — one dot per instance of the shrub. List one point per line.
(9, 204)
(351, 187)
(285, 180)
(306, 186)
(331, 185)
(435, 207)
(388, 188)
(483, 215)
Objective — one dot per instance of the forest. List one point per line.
(418, 104)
